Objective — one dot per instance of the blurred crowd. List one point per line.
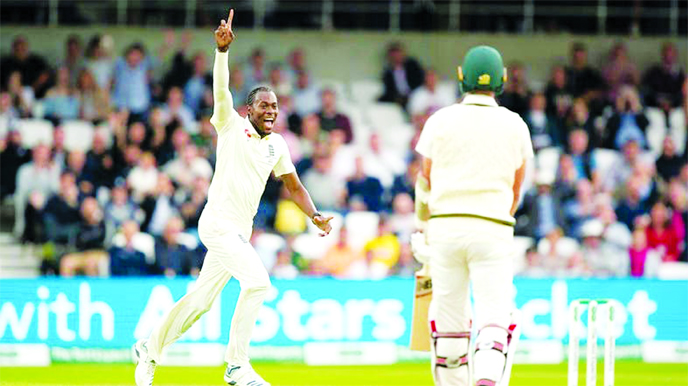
(607, 193)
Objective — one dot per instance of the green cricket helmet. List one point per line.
(483, 69)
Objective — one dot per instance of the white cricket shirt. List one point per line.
(476, 147)
(244, 159)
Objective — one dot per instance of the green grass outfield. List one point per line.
(627, 374)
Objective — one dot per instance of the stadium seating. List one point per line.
(78, 135)
(35, 131)
(365, 91)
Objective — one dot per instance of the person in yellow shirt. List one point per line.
(385, 247)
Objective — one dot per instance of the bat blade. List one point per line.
(420, 330)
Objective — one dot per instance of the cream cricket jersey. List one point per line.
(244, 159)
(476, 147)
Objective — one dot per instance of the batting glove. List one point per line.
(420, 248)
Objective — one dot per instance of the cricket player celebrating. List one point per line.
(247, 152)
(474, 160)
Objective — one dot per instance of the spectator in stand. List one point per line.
(256, 73)
(581, 156)
(61, 102)
(384, 249)
(61, 216)
(614, 232)
(558, 94)
(120, 209)
(623, 168)
(143, 178)
(407, 266)
(363, 187)
(580, 118)
(12, 156)
(94, 102)
(90, 256)
(678, 197)
(297, 64)
(565, 183)
(330, 118)
(100, 162)
(401, 220)
(326, 190)
(406, 182)
(73, 59)
(602, 258)
(278, 80)
(661, 234)
(206, 138)
(581, 209)
(128, 259)
(556, 254)
(632, 205)
(544, 128)
(180, 69)
(306, 96)
(184, 170)
(284, 268)
(198, 85)
(238, 86)
(542, 209)
(76, 162)
(21, 97)
(191, 208)
(669, 163)
(381, 162)
(175, 109)
(619, 71)
(516, 92)
(34, 71)
(343, 156)
(99, 60)
(662, 82)
(641, 255)
(428, 98)
(36, 180)
(401, 76)
(132, 77)
(139, 136)
(585, 81)
(338, 259)
(172, 258)
(628, 122)
(159, 206)
(58, 151)
(9, 115)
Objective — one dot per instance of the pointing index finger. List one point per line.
(231, 16)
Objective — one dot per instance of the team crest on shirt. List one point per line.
(271, 151)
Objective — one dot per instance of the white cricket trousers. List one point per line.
(475, 251)
(229, 254)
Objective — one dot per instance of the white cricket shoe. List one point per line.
(145, 367)
(243, 375)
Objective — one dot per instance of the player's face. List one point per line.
(263, 112)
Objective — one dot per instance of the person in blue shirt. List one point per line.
(131, 90)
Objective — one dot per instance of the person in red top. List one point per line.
(660, 233)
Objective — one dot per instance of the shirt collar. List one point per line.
(249, 130)
(478, 99)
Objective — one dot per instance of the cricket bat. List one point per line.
(420, 330)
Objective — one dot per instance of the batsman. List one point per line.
(474, 161)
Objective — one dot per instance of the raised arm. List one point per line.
(222, 98)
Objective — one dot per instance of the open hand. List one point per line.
(323, 223)
(224, 36)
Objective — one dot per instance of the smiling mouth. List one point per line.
(268, 123)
